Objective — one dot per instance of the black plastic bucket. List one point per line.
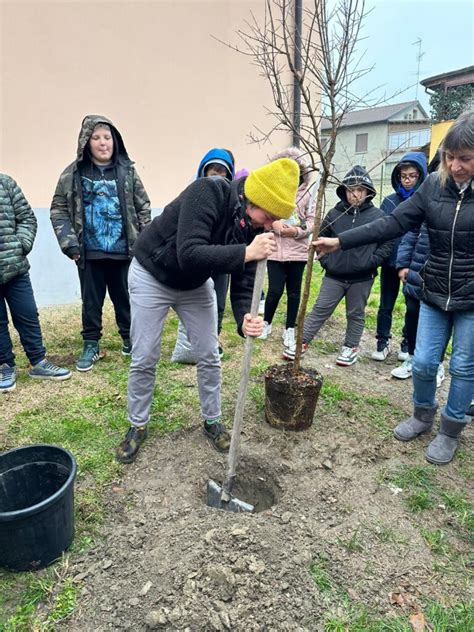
(36, 506)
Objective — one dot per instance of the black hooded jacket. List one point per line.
(448, 275)
(361, 263)
(204, 231)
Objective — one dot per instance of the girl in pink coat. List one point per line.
(286, 265)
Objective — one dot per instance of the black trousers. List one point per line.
(221, 285)
(411, 322)
(389, 286)
(281, 273)
(96, 278)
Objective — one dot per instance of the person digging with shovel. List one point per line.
(213, 226)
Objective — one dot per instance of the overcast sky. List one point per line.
(445, 28)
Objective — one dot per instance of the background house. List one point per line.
(376, 138)
(451, 93)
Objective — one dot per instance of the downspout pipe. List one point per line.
(297, 64)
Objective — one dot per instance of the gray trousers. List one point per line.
(331, 293)
(150, 301)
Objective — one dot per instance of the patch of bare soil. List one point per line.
(168, 561)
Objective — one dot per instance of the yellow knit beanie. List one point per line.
(273, 187)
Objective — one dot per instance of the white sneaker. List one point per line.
(288, 337)
(347, 356)
(261, 306)
(267, 330)
(382, 352)
(440, 376)
(405, 370)
(403, 355)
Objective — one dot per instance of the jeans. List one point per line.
(18, 294)
(434, 330)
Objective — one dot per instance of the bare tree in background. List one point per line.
(315, 58)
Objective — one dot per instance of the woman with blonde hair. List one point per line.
(445, 201)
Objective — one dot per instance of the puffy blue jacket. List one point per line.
(412, 253)
(391, 202)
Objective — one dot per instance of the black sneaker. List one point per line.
(221, 352)
(217, 435)
(127, 348)
(128, 449)
(90, 354)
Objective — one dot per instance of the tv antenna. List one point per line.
(419, 57)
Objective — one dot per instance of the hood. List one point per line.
(298, 156)
(418, 158)
(357, 176)
(87, 127)
(221, 156)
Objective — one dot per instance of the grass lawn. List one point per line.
(87, 415)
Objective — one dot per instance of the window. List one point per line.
(406, 140)
(361, 143)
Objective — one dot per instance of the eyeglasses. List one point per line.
(408, 176)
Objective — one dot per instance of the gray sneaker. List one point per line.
(46, 370)
(348, 356)
(7, 378)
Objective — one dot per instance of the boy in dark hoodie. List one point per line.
(99, 207)
(349, 276)
(407, 176)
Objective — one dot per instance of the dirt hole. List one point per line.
(256, 484)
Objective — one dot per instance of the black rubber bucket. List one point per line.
(36, 506)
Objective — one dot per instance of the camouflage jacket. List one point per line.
(17, 230)
(67, 212)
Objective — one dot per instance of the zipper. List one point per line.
(456, 212)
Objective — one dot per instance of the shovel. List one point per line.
(217, 496)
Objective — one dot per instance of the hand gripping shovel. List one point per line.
(217, 496)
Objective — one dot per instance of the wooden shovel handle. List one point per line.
(244, 379)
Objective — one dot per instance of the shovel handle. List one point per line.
(244, 379)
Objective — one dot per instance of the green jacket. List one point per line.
(17, 230)
(67, 212)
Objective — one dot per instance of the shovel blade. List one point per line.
(214, 499)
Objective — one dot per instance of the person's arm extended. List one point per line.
(407, 216)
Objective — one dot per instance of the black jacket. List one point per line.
(412, 254)
(204, 231)
(448, 276)
(361, 263)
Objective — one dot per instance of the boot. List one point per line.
(443, 447)
(128, 449)
(420, 422)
